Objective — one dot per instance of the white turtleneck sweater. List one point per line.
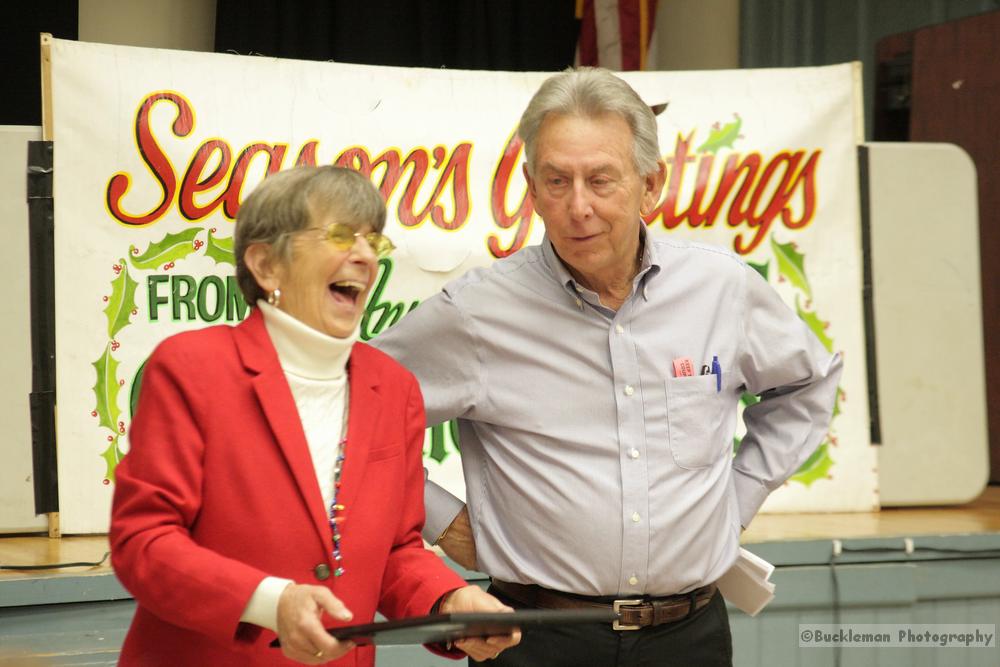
(315, 366)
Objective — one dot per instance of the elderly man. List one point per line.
(595, 379)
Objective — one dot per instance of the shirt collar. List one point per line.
(649, 266)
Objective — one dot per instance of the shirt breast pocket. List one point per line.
(697, 421)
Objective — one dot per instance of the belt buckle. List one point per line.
(617, 606)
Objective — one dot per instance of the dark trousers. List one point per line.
(702, 639)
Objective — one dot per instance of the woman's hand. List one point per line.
(300, 627)
(473, 598)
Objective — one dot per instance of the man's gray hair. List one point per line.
(589, 92)
(296, 199)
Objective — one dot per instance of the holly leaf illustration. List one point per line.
(106, 389)
(220, 248)
(112, 456)
(121, 303)
(722, 137)
(816, 467)
(761, 268)
(169, 249)
(817, 325)
(791, 265)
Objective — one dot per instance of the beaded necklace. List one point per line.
(337, 515)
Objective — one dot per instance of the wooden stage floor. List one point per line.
(980, 516)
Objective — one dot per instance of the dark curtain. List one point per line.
(19, 53)
(515, 35)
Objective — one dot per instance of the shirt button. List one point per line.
(633, 580)
(322, 571)
(634, 453)
(635, 517)
(619, 329)
(629, 390)
(579, 304)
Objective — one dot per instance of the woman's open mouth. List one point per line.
(347, 291)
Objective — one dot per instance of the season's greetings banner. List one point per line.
(155, 150)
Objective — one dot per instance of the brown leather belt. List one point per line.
(633, 614)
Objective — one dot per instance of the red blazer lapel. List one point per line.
(276, 401)
(365, 411)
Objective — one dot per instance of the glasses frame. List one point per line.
(338, 233)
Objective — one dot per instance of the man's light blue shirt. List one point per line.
(590, 468)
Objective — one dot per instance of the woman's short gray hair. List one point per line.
(588, 92)
(295, 199)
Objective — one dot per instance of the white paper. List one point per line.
(747, 584)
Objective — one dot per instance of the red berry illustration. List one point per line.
(93, 413)
(105, 481)
(111, 438)
(105, 299)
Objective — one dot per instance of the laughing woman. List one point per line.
(274, 482)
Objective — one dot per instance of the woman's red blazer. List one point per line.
(219, 491)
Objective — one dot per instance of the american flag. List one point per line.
(616, 34)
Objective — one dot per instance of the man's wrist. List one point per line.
(440, 602)
(441, 508)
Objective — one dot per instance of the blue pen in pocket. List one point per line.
(717, 372)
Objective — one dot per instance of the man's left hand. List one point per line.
(473, 598)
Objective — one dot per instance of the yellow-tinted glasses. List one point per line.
(343, 237)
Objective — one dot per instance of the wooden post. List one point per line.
(46, 48)
(45, 42)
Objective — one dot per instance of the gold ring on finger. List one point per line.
(318, 654)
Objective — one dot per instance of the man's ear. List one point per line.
(652, 188)
(259, 259)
